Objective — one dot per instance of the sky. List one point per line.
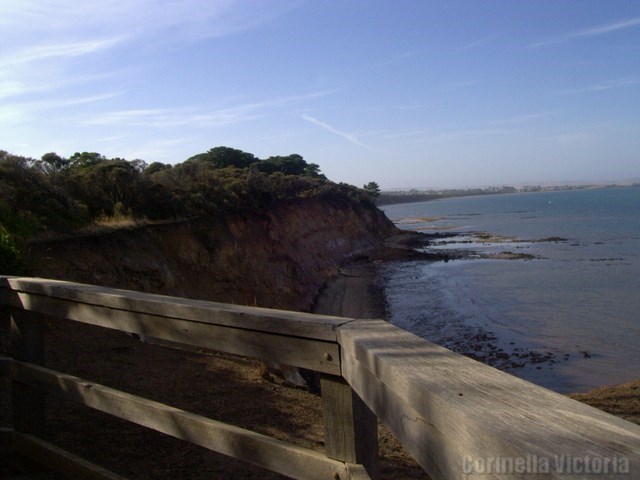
(409, 93)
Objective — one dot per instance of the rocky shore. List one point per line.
(480, 344)
(473, 341)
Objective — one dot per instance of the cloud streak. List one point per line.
(25, 111)
(478, 43)
(197, 116)
(46, 43)
(45, 52)
(347, 136)
(524, 118)
(592, 31)
(607, 28)
(186, 19)
(599, 87)
(176, 117)
(398, 58)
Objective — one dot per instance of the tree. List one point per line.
(79, 161)
(313, 170)
(292, 164)
(222, 157)
(156, 167)
(373, 189)
(30, 200)
(51, 163)
(105, 184)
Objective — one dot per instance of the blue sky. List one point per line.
(411, 94)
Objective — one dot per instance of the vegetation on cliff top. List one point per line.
(61, 195)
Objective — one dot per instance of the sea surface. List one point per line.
(562, 312)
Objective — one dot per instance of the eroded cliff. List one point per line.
(279, 258)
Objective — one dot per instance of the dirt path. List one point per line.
(354, 293)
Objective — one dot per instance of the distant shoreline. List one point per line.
(395, 197)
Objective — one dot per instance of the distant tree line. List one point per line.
(57, 194)
(414, 195)
(410, 196)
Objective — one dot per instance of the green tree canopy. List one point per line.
(290, 165)
(55, 193)
(222, 157)
(79, 161)
(373, 189)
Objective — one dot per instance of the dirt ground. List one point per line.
(230, 389)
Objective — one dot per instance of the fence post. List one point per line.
(350, 428)
(27, 344)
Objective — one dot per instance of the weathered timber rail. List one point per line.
(458, 418)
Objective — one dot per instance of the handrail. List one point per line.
(292, 338)
(251, 331)
(460, 418)
(457, 417)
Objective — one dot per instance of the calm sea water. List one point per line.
(576, 305)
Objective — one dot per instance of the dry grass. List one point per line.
(116, 221)
(620, 400)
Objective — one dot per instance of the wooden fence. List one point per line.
(457, 417)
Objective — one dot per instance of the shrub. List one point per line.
(10, 261)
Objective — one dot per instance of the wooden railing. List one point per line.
(458, 418)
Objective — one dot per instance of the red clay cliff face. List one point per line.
(278, 259)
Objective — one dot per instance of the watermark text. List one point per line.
(534, 464)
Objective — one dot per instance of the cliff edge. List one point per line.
(278, 258)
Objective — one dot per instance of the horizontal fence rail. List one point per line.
(251, 331)
(457, 417)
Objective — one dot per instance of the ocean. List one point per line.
(549, 289)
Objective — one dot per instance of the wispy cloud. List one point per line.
(429, 135)
(69, 102)
(159, 149)
(187, 19)
(66, 50)
(524, 118)
(470, 133)
(45, 80)
(198, 116)
(607, 28)
(398, 58)
(47, 43)
(606, 85)
(496, 127)
(46, 67)
(478, 43)
(592, 31)
(456, 85)
(11, 113)
(347, 136)
(176, 117)
(408, 134)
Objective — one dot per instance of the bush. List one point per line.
(10, 261)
